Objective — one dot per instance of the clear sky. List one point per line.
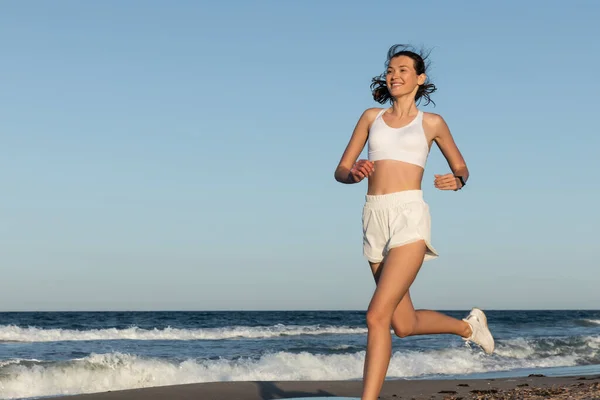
(180, 154)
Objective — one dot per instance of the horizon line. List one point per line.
(279, 310)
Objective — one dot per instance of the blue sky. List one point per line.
(180, 155)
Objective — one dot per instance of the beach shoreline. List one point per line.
(530, 387)
(277, 355)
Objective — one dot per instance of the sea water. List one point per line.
(63, 353)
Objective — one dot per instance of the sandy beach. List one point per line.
(532, 387)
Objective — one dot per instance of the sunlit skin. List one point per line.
(391, 305)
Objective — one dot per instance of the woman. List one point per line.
(396, 219)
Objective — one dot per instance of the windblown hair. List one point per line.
(379, 87)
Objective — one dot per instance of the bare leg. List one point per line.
(401, 267)
(408, 322)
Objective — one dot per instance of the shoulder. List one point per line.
(369, 115)
(367, 118)
(433, 119)
(434, 124)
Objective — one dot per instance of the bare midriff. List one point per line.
(392, 176)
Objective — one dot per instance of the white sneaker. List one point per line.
(480, 334)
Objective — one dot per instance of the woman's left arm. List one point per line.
(443, 138)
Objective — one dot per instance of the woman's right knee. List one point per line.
(377, 318)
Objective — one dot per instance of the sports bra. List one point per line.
(408, 143)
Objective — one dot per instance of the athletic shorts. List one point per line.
(393, 220)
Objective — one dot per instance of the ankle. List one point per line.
(467, 330)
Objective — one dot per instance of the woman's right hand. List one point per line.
(361, 169)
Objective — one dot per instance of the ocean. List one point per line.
(45, 354)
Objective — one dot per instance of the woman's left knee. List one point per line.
(404, 329)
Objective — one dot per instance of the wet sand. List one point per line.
(532, 387)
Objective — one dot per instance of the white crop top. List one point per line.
(408, 143)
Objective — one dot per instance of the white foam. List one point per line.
(341, 347)
(593, 342)
(117, 371)
(32, 334)
(4, 363)
(593, 321)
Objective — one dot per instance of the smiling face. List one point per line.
(402, 78)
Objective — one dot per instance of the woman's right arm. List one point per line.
(348, 170)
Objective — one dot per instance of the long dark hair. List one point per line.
(379, 87)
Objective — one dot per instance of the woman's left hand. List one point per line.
(446, 182)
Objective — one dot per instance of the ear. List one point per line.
(421, 79)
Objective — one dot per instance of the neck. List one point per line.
(405, 105)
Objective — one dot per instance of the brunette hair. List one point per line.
(379, 87)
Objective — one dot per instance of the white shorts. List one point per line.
(393, 220)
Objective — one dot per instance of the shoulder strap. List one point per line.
(381, 113)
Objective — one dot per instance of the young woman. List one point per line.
(396, 219)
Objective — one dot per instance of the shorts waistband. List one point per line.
(393, 199)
